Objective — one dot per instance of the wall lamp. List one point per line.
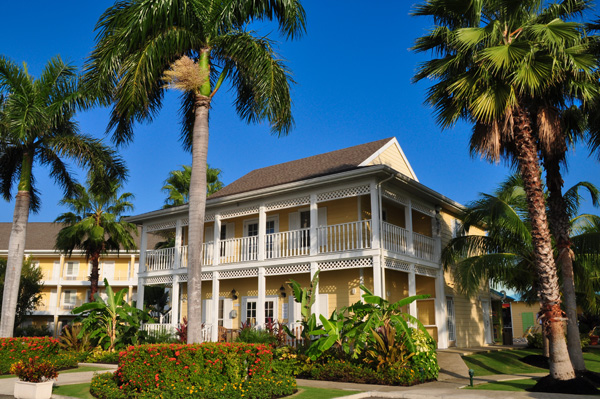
(282, 291)
(234, 294)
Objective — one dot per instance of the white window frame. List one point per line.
(72, 303)
(71, 276)
(268, 298)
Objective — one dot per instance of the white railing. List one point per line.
(70, 305)
(119, 275)
(207, 253)
(394, 238)
(424, 247)
(206, 333)
(156, 329)
(345, 236)
(160, 259)
(234, 250)
(287, 243)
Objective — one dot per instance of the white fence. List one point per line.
(394, 238)
(424, 247)
(160, 259)
(287, 244)
(345, 236)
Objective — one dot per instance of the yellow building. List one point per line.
(66, 282)
(358, 215)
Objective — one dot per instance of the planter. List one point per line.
(33, 390)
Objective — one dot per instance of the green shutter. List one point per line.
(527, 318)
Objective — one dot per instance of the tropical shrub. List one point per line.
(101, 356)
(425, 356)
(535, 341)
(181, 331)
(210, 370)
(71, 340)
(251, 335)
(13, 350)
(34, 370)
(104, 386)
(33, 331)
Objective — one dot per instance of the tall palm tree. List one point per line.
(177, 185)
(95, 225)
(37, 128)
(498, 58)
(145, 47)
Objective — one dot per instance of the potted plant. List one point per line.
(35, 378)
(594, 336)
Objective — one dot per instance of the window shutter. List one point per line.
(209, 234)
(227, 308)
(322, 220)
(206, 311)
(324, 305)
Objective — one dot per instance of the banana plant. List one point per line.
(306, 298)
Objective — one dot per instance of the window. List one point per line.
(71, 270)
(69, 299)
(221, 315)
(269, 311)
(222, 238)
(269, 238)
(450, 320)
(457, 229)
(305, 224)
(251, 310)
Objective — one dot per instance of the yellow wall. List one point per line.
(392, 157)
(395, 213)
(517, 309)
(338, 286)
(421, 223)
(365, 207)
(341, 211)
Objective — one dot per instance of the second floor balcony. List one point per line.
(344, 237)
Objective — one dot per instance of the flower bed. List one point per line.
(210, 370)
(13, 350)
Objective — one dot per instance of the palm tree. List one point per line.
(177, 185)
(498, 60)
(37, 128)
(96, 225)
(145, 47)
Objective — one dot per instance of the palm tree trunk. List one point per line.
(16, 250)
(94, 275)
(560, 226)
(528, 161)
(196, 218)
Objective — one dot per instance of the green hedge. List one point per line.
(210, 370)
(14, 349)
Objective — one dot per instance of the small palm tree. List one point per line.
(96, 225)
(145, 47)
(37, 128)
(177, 185)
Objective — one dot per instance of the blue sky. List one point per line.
(353, 70)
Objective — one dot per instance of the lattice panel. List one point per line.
(346, 264)
(185, 222)
(288, 203)
(239, 212)
(209, 218)
(161, 226)
(241, 273)
(206, 276)
(158, 280)
(287, 269)
(426, 271)
(344, 193)
(394, 196)
(426, 209)
(397, 265)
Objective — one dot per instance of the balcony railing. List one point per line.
(334, 238)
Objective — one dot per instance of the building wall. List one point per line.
(392, 157)
(517, 310)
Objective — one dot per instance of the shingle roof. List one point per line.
(302, 169)
(42, 236)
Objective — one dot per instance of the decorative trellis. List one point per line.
(158, 280)
(209, 217)
(239, 212)
(426, 271)
(161, 226)
(346, 264)
(287, 269)
(394, 196)
(287, 203)
(343, 193)
(240, 273)
(397, 265)
(426, 209)
(185, 222)
(205, 276)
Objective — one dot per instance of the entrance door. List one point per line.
(487, 321)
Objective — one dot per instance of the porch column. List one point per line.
(216, 253)
(384, 294)
(314, 266)
(409, 228)
(131, 271)
(130, 295)
(314, 223)
(441, 314)
(375, 219)
(260, 303)
(377, 278)
(142, 268)
(214, 331)
(412, 290)
(177, 260)
(262, 231)
(175, 302)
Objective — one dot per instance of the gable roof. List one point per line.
(305, 168)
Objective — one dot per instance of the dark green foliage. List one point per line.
(250, 335)
(535, 341)
(104, 386)
(33, 331)
(13, 350)
(30, 288)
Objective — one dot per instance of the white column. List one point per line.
(384, 294)
(178, 231)
(314, 266)
(260, 303)
(412, 290)
(377, 279)
(214, 332)
(175, 302)
(314, 223)
(131, 271)
(409, 227)
(217, 241)
(142, 268)
(375, 217)
(441, 314)
(262, 231)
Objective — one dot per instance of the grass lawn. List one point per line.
(507, 362)
(514, 385)
(320, 393)
(75, 390)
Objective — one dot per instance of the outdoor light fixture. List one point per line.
(282, 291)
(234, 294)
(471, 375)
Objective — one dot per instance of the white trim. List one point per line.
(246, 299)
(377, 153)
